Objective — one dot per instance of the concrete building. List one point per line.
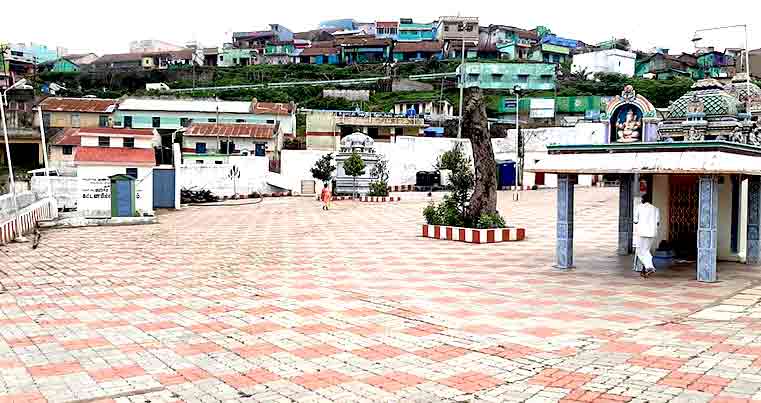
(63, 147)
(506, 76)
(410, 31)
(387, 29)
(168, 115)
(152, 46)
(105, 152)
(213, 143)
(506, 42)
(421, 50)
(324, 129)
(605, 61)
(76, 112)
(425, 108)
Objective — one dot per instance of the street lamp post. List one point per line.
(3, 98)
(518, 145)
(696, 38)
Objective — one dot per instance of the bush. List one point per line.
(490, 220)
(378, 188)
(431, 214)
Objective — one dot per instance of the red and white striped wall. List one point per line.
(370, 199)
(25, 221)
(473, 235)
(401, 188)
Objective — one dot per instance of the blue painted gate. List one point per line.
(163, 188)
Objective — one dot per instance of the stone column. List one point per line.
(708, 208)
(625, 215)
(564, 247)
(754, 221)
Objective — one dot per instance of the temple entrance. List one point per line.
(683, 215)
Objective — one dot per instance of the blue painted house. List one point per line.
(412, 32)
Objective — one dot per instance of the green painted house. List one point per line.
(507, 76)
(61, 65)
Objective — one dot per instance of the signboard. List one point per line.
(542, 108)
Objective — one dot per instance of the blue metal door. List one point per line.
(123, 198)
(163, 188)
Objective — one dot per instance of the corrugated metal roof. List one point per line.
(184, 105)
(83, 105)
(68, 137)
(272, 108)
(115, 155)
(257, 131)
(114, 131)
(424, 46)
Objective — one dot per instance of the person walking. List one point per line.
(326, 197)
(647, 219)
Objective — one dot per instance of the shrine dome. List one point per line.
(740, 89)
(707, 98)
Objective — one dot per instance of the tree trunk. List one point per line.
(476, 127)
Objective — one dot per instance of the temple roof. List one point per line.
(740, 89)
(708, 97)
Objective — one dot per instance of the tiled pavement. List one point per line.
(281, 301)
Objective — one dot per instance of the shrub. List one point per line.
(431, 214)
(490, 220)
(378, 188)
(451, 211)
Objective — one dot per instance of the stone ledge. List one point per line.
(474, 235)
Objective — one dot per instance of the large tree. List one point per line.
(475, 126)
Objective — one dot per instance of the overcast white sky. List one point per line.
(108, 27)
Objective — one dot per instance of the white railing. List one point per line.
(26, 219)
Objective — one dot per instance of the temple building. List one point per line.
(748, 93)
(701, 165)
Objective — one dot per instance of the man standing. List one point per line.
(647, 219)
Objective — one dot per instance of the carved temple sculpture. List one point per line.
(630, 118)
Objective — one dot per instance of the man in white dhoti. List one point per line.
(647, 218)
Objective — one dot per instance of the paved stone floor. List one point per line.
(281, 301)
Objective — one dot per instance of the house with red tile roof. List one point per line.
(213, 143)
(105, 152)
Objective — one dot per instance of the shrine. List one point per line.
(701, 164)
(364, 146)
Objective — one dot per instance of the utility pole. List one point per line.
(462, 77)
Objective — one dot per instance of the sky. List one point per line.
(95, 26)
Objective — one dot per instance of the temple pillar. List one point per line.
(625, 214)
(564, 247)
(753, 255)
(708, 209)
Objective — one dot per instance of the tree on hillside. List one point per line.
(354, 166)
(323, 169)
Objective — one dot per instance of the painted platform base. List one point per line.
(369, 199)
(472, 235)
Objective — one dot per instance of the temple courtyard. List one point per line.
(280, 301)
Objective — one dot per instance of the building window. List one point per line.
(75, 121)
(240, 120)
(184, 122)
(270, 122)
(218, 162)
(200, 148)
(212, 120)
(522, 78)
(199, 161)
(46, 119)
(128, 122)
(104, 142)
(129, 142)
(156, 122)
(446, 28)
(68, 150)
(132, 172)
(103, 121)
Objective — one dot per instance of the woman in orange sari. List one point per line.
(326, 197)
